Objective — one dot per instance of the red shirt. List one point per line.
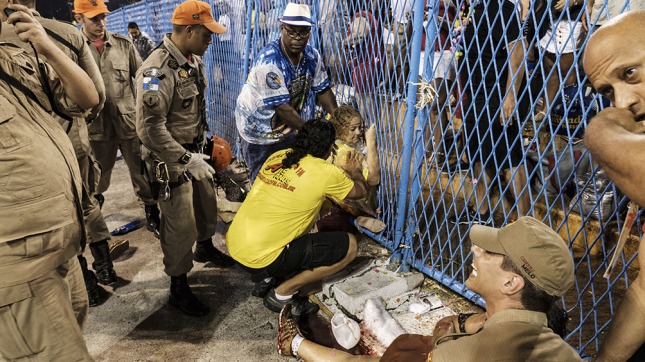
(99, 44)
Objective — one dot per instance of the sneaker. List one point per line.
(118, 247)
(287, 330)
(300, 306)
(261, 288)
(472, 217)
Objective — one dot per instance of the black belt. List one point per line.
(183, 178)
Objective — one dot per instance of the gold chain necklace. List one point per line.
(296, 67)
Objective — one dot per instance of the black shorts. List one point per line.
(305, 253)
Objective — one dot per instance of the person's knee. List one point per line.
(352, 249)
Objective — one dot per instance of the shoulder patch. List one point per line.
(151, 84)
(273, 80)
(154, 73)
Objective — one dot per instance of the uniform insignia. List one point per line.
(150, 100)
(151, 84)
(153, 73)
(273, 80)
(183, 73)
(186, 103)
(172, 64)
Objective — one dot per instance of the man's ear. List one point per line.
(190, 30)
(78, 18)
(514, 284)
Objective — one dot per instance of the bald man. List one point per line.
(614, 61)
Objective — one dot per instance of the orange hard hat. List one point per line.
(221, 154)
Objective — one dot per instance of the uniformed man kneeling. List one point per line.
(171, 122)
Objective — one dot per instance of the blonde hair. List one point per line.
(342, 118)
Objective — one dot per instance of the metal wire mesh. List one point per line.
(433, 77)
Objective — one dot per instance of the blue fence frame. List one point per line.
(386, 73)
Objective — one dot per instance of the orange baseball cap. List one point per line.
(193, 12)
(90, 8)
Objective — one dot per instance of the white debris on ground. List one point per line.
(417, 310)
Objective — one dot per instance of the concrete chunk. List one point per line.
(373, 280)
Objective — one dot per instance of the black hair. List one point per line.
(315, 138)
(537, 300)
(133, 25)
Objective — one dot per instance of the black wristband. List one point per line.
(462, 317)
(185, 158)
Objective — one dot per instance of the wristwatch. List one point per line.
(185, 158)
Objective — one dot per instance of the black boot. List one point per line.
(206, 252)
(103, 263)
(152, 219)
(100, 198)
(182, 297)
(95, 294)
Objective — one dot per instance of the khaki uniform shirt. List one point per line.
(510, 335)
(80, 53)
(170, 104)
(40, 184)
(118, 65)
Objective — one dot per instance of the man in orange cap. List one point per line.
(171, 122)
(114, 129)
(73, 44)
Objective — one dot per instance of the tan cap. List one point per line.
(90, 8)
(194, 12)
(535, 249)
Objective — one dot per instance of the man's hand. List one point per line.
(444, 327)
(29, 29)
(352, 163)
(562, 3)
(620, 117)
(199, 168)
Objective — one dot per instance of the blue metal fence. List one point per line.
(397, 69)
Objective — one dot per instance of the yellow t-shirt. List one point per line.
(282, 205)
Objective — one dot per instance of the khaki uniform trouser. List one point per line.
(105, 153)
(97, 229)
(42, 320)
(189, 215)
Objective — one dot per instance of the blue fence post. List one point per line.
(408, 133)
(423, 115)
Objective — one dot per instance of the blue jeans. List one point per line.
(255, 155)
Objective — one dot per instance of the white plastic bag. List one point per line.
(346, 331)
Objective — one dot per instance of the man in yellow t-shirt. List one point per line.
(270, 235)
